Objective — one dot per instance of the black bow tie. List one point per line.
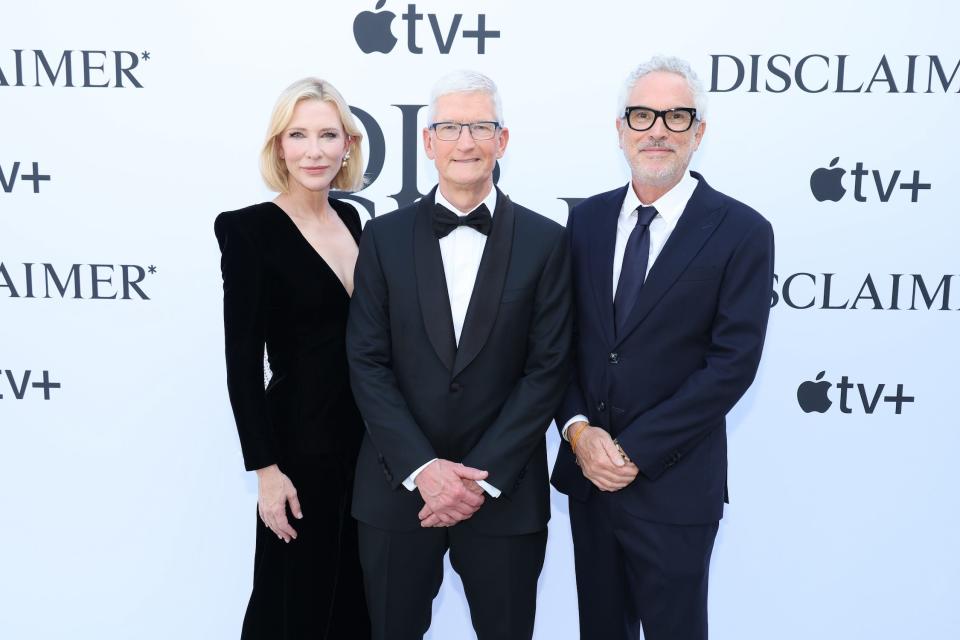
(445, 221)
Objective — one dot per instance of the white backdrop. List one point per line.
(125, 510)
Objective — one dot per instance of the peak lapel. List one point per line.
(488, 288)
(603, 223)
(432, 284)
(699, 220)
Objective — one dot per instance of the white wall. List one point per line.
(125, 511)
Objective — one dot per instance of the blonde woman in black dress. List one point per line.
(287, 270)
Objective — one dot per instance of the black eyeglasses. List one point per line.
(451, 130)
(677, 120)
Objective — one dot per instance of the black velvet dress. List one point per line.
(279, 292)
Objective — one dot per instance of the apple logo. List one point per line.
(812, 396)
(825, 183)
(372, 30)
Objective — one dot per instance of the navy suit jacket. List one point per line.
(689, 351)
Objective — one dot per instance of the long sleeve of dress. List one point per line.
(243, 325)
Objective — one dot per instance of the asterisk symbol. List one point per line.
(151, 269)
(145, 55)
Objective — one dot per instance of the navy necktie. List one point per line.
(634, 270)
(445, 221)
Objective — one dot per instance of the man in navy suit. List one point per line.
(672, 283)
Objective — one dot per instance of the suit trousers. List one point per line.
(633, 572)
(403, 571)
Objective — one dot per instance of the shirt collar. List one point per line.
(490, 200)
(670, 205)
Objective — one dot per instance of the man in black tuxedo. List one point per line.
(672, 283)
(458, 341)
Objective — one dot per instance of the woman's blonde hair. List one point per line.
(272, 167)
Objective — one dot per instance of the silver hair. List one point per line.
(669, 64)
(465, 82)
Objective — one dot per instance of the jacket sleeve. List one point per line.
(506, 446)
(392, 428)
(243, 329)
(572, 402)
(659, 437)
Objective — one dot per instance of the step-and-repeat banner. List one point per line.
(125, 128)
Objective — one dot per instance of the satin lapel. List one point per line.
(603, 225)
(432, 285)
(488, 288)
(699, 220)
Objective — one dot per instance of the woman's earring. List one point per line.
(346, 157)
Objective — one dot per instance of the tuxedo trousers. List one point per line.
(403, 571)
(312, 587)
(633, 572)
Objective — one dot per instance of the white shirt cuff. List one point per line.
(489, 488)
(576, 418)
(408, 483)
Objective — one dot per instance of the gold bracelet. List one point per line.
(576, 436)
(620, 449)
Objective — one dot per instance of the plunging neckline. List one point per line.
(313, 249)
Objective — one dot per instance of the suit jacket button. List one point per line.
(455, 387)
(613, 358)
(601, 406)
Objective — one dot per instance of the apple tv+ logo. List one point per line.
(20, 384)
(373, 33)
(813, 396)
(8, 177)
(826, 183)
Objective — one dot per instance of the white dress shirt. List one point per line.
(669, 207)
(461, 251)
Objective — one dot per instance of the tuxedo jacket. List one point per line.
(487, 403)
(690, 348)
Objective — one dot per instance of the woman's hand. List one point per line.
(274, 492)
